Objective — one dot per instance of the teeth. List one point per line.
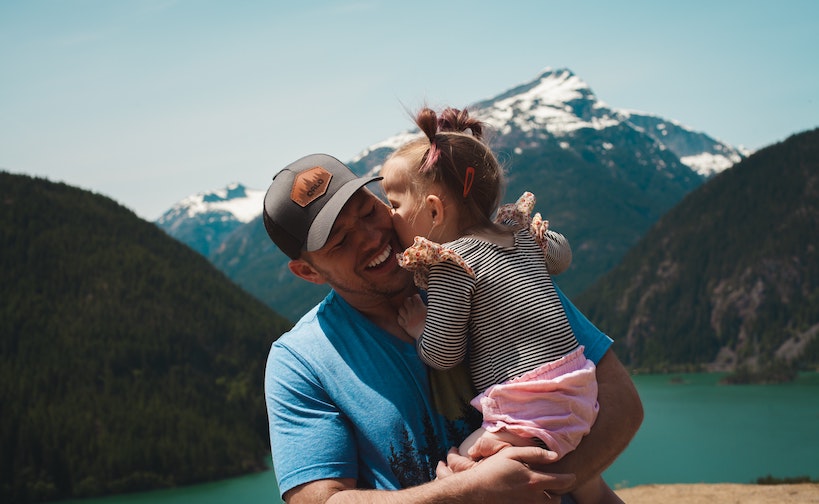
(381, 257)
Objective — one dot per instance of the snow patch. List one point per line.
(235, 200)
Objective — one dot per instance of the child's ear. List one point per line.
(435, 207)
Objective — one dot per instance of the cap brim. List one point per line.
(323, 223)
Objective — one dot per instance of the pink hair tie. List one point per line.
(431, 157)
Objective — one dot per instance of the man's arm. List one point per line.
(621, 413)
(505, 477)
(620, 416)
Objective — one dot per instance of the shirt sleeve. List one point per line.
(443, 343)
(558, 253)
(305, 425)
(596, 342)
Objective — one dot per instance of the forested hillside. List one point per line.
(729, 278)
(127, 361)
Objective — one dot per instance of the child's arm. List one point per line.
(411, 316)
(555, 246)
(442, 342)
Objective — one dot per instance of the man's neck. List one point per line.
(383, 311)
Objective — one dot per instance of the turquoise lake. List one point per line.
(695, 431)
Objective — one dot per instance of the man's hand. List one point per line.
(455, 463)
(508, 475)
(504, 477)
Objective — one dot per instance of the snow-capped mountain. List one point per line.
(204, 220)
(558, 105)
(602, 176)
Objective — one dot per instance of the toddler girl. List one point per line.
(490, 297)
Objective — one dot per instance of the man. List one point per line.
(352, 413)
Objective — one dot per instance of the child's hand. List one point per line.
(411, 316)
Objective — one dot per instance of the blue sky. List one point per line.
(151, 101)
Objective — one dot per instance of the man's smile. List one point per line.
(383, 256)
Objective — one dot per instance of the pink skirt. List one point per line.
(556, 403)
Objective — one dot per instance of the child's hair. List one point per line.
(452, 153)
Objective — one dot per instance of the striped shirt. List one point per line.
(506, 320)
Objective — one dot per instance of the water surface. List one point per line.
(695, 431)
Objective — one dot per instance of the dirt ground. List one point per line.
(727, 493)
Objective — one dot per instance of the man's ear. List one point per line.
(305, 271)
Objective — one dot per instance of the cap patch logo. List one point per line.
(309, 185)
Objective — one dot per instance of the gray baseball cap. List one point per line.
(304, 200)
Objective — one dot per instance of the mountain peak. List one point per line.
(557, 102)
(557, 105)
(551, 86)
(234, 190)
(233, 201)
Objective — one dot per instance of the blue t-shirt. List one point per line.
(346, 399)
